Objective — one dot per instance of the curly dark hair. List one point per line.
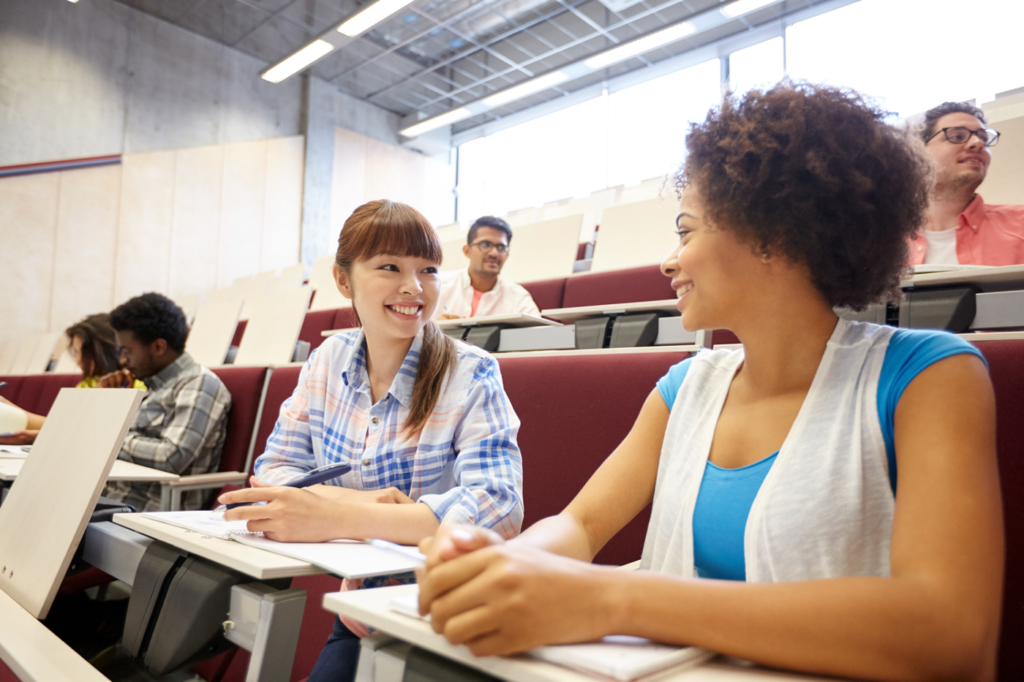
(150, 317)
(99, 347)
(813, 174)
(932, 116)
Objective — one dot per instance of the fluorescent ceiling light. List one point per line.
(445, 119)
(298, 61)
(645, 44)
(372, 15)
(528, 88)
(735, 9)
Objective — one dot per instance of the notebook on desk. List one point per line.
(345, 558)
(617, 657)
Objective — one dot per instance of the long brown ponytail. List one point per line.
(387, 227)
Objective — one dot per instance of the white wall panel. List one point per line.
(196, 225)
(282, 212)
(28, 226)
(144, 225)
(241, 211)
(86, 248)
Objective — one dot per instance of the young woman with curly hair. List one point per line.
(780, 531)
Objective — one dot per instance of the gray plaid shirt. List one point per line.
(180, 428)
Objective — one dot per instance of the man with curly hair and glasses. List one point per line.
(480, 290)
(962, 229)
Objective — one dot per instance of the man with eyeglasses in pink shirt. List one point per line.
(479, 290)
(962, 229)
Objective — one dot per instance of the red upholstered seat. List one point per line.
(619, 286)
(282, 384)
(246, 387)
(236, 340)
(548, 293)
(13, 388)
(1006, 367)
(345, 318)
(38, 391)
(315, 322)
(575, 410)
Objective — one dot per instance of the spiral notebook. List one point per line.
(617, 657)
(345, 558)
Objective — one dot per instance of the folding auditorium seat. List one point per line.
(236, 340)
(313, 323)
(1006, 367)
(13, 387)
(247, 386)
(618, 286)
(574, 411)
(39, 391)
(547, 293)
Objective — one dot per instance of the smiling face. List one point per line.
(713, 273)
(394, 295)
(959, 167)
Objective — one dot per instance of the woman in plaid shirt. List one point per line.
(423, 420)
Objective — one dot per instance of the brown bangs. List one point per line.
(388, 228)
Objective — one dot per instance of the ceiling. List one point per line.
(436, 55)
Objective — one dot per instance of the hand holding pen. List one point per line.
(315, 477)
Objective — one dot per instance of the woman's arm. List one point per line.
(936, 617)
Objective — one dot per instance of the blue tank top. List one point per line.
(726, 495)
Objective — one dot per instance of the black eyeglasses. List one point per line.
(487, 247)
(960, 135)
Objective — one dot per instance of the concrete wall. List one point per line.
(97, 78)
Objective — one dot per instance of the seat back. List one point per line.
(313, 323)
(1006, 367)
(575, 411)
(13, 387)
(39, 391)
(345, 318)
(245, 384)
(281, 385)
(547, 293)
(618, 286)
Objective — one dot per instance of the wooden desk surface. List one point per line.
(371, 607)
(32, 652)
(988, 279)
(258, 563)
(10, 467)
(512, 320)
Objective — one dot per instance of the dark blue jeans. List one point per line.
(339, 658)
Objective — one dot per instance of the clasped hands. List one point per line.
(502, 598)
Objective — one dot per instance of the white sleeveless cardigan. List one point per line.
(825, 508)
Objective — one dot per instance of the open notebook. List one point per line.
(617, 657)
(346, 558)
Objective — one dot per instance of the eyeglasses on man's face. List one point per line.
(486, 247)
(960, 135)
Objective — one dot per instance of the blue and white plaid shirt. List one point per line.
(464, 464)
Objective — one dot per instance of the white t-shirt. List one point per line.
(941, 247)
(504, 299)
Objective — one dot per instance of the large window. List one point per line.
(622, 138)
(910, 55)
(906, 55)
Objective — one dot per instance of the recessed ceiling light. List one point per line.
(735, 9)
(528, 88)
(298, 61)
(641, 45)
(372, 15)
(445, 119)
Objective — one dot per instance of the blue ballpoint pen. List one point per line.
(312, 478)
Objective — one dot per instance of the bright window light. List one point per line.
(528, 88)
(298, 61)
(645, 44)
(735, 9)
(371, 16)
(445, 119)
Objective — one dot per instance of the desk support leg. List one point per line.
(266, 622)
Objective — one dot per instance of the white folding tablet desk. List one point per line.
(10, 467)
(371, 607)
(573, 314)
(508, 320)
